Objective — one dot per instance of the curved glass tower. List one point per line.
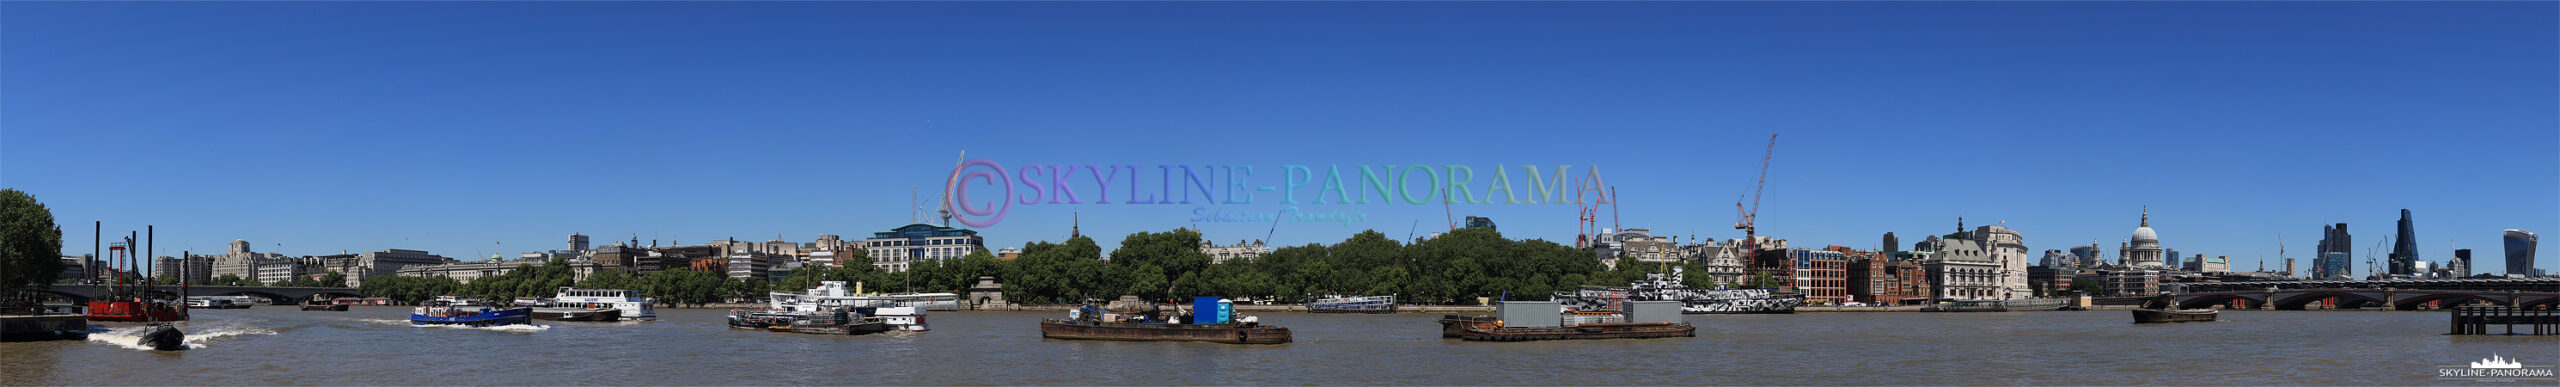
(2520, 245)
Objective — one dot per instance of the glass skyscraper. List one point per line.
(2520, 245)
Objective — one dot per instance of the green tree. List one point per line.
(30, 243)
(1762, 280)
(2088, 286)
(333, 280)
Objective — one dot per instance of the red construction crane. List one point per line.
(1747, 219)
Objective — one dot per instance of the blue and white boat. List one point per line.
(470, 316)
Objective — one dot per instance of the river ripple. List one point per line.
(271, 345)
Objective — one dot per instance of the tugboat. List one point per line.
(1340, 304)
(2164, 309)
(1211, 320)
(1552, 320)
(443, 313)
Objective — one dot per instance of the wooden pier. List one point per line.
(2475, 320)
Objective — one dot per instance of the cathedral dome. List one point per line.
(2144, 234)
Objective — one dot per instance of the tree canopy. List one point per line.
(30, 243)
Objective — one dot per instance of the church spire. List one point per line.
(1075, 225)
(2146, 216)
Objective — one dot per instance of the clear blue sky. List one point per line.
(310, 128)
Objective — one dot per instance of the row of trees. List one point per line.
(1454, 268)
(675, 286)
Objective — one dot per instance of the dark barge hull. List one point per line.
(1455, 326)
(842, 329)
(1213, 333)
(2153, 316)
(326, 308)
(578, 314)
(1580, 332)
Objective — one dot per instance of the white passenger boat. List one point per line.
(632, 307)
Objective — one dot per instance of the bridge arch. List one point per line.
(278, 298)
(2208, 300)
(2346, 299)
(2446, 299)
(2531, 301)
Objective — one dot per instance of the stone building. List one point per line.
(1240, 250)
(2143, 250)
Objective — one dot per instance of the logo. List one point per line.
(2495, 368)
(1331, 193)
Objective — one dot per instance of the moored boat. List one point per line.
(135, 310)
(470, 316)
(1211, 321)
(2151, 316)
(1967, 306)
(324, 306)
(559, 313)
(2164, 309)
(1551, 320)
(1358, 304)
(1660, 287)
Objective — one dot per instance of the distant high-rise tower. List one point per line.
(2461, 265)
(577, 242)
(2404, 251)
(1891, 244)
(2520, 244)
(2336, 257)
(2088, 254)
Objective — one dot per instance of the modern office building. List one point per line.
(577, 242)
(896, 249)
(2461, 264)
(2404, 250)
(2520, 245)
(2336, 253)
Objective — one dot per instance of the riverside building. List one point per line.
(899, 248)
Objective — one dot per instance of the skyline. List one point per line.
(449, 127)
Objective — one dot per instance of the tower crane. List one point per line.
(1747, 218)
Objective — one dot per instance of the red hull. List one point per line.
(134, 311)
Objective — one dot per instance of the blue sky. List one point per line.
(468, 128)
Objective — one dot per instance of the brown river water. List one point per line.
(270, 345)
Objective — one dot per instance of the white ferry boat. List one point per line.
(633, 308)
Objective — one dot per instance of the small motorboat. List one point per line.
(324, 306)
(163, 337)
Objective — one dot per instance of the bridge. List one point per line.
(85, 293)
(2394, 294)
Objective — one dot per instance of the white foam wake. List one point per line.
(197, 336)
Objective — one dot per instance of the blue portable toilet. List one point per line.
(1212, 310)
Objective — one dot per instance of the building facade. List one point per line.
(2404, 251)
(2520, 247)
(897, 249)
(2143, 249)
(1240, 250)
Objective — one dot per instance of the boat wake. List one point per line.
(197, 336)
(523, 328)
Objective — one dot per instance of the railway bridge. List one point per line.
(2394, 294)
